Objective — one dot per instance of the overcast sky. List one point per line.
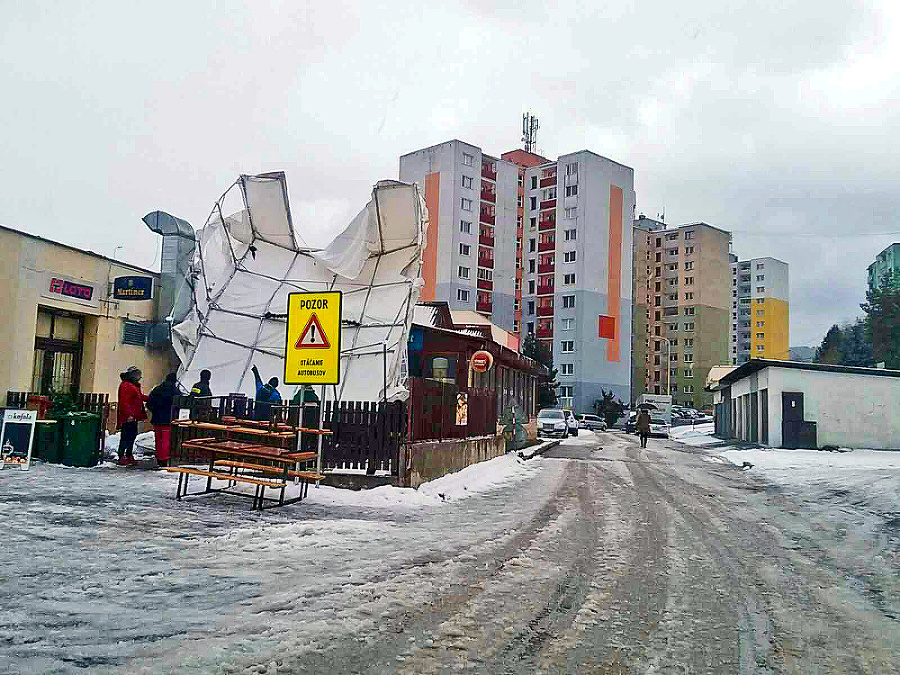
(774, 119)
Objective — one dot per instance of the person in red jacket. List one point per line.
(130, 411)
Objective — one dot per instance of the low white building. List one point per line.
(788, 404)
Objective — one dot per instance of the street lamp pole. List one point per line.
(668, 366)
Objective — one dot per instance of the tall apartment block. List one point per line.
(640, 315)
(686, 304)
(554, 253)
(886, 261)
(760, 322)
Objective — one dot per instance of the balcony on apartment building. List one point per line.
(546, 268)
(486, 240)
(549, 181)
(485, 285)
(488, 172)
(545, 310)
(486, 218)
(548, 204)
(483, 306)
(545, 289)
(488, 194)
(547, 221)
(484, 261)
(547, 245)
(544, 332)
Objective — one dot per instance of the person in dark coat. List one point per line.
(160, 403)
(643, 426)
(266, 396)
(129, 411)
(201, 388)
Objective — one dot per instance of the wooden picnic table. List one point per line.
(243, 456)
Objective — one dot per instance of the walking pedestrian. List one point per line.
(643, 426)
(129, 411)
(266, 396)
(160, 402)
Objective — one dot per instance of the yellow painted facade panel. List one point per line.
(775, 329)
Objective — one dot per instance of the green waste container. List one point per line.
(79, 439)
(46, 441)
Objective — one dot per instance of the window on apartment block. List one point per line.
(465, 204)
(567, 324)
(688, 389)
(672, 237)
(688, 358)
(531, 327)
(760, 289)
(468, 159)
(760, 348)
(571, 235)
(568, 301)
(689, 326)
(534, 182)
(532, 245)
(760, 336)
(688, 296)
(760, 324)
(688, 250)
(674, 356)
(657, 287)
(567, 391)
(533, 202)
(549, 193)
(689, 234)
(571, 190)
(656, 318)
(531, 308)
(689, 281)
(467, 182)
(520, 202)
(465, 226)
(759, 301)
(567, 346)
(521, 179)
(672, 296)
(689, 342)
(689, 311)
(672, 251)
(567, 368)
(531, 287)
(688, 265)
(518, 287)
(688, 372)
(531, 265)
(672, 266)
(465, 249)
(485, 274)
(572, 169)
(733, 294)
(462, 295)
(462, 272)
(760, 277)
(760, 312)
(569, 279)
(760, 266)
(673, 372)
(516, 326)
(532, 222)
(569, 256)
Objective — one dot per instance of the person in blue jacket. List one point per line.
(266, 396)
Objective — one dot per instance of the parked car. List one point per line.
(658, 427)
(552, 422)
(631, 423)
(591, 422)
(572, 422)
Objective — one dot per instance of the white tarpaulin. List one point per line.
(250, 261)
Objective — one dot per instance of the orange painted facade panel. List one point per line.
(429, 261)
(614, 283)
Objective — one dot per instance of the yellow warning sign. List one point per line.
(313, 341)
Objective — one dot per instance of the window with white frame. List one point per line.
(672, 266)
(465, 226)
(688, 296)
(462, 295)
(532, 202)
(688, 389)
(760, 289)
(568, 301)
(569, 256)
(689, 311)
(689, 326)
(688, 265)
(566, 368)
(531, 308)
(688, 372)
(571, 190)
(672, 251)
(689, 234)
(567, 346)
(760, 336)
(468, 159)
(689, 342)
(531, 287)
(673, 372)
(567, 391)
(760, 348)
(532, 265)
(569, 279)
(572, 169)
(567, 324)
(760, 266)
(760, 324)
(516, 326)
(462, 272)
(549, 193)
(465, 249)
(688, 358)
(519, 201)
(689, 281)
(571, 235)
(465, 204)
(760, 277)
(532, 245)
(467, 182)
(672, 237)
(688, 250)
(487, 275)
(571, 212)
(532, 222)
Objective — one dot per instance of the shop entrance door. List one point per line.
(57, 352)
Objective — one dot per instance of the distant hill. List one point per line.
(805, 354)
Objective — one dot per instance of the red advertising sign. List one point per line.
(60, 287)
(482, 361)
(71, 290)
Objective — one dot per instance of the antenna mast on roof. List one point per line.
(529, 131)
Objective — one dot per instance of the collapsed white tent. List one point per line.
(248, 262)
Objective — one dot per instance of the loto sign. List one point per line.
(482, 361)
(313, 341)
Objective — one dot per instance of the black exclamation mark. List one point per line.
(312, 333)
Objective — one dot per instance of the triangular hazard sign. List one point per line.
(313, 337)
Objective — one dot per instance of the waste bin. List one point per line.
(80, 439)
(46, 441)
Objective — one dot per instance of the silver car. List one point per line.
(552, 422)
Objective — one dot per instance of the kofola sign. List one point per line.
(60, 287)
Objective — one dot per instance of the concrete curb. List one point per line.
(538, 449)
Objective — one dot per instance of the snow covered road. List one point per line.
(596, 558)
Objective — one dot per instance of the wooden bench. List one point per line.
(262, 468)
(260, 484)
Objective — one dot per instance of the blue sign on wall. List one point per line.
(133, 288)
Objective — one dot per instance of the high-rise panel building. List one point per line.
(641, 302)
(886, 261)
(686, 303)
(760, 310)
(552, 254)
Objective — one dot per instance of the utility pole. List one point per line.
(668, 365)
